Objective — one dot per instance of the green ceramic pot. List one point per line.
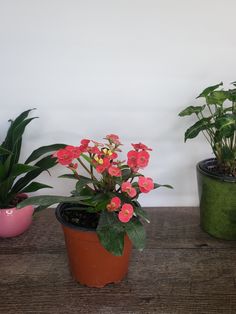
(217, 196)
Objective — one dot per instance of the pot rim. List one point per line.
(60, 207)
(201, 167)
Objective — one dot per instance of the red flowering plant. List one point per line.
(110, 192)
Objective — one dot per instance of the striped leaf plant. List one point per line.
(18, 177)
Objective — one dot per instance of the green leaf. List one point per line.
(34, 186)
(19, 130)
(5, 186)
(88, 159)
(48, 200)
(86, 191)
(17, 140)
(226, 125)
(191, 109)
(100, 201)
(124, 167)
(7, 165)
(199, 126)
(141, 213)
(217, 97)
(43, 150)
(19, 169)
(82, 181)
(8, 142)
(2, 172)
(16, 152)
(136, 233)
(13, 138)
(22, 117)
(220, 111)
(68, 176)
(4, 151)
(111, 233)
(232, 94)
(43, 164)
(209, 89)
(126, 174)
(125, 198)
(156, 186)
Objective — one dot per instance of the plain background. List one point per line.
(127, 67)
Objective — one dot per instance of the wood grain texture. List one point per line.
(182, 270)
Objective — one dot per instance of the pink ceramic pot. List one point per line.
(15, 221)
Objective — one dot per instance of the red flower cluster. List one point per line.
(145, 184)
(113, 139)
(127, 188)
(126, 211)
(114, 204)
(140, 146)
(104, 161)
(103, 157)
(66, 155)
(137, 159)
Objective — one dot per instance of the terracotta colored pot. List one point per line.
(90, 263)
(14, 222)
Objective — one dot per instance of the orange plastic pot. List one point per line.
(90, 263)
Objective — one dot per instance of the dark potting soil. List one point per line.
(17, 199)
(81, 218)
(211, 166)
(221, 171)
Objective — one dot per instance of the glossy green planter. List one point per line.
(217, 196)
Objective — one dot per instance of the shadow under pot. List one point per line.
(217, 196)
(14, 221)
(89, 262)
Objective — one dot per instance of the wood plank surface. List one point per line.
(182, 270)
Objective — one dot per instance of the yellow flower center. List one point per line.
(107, 152)
(98, 160)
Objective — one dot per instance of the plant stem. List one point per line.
(208, 140)
(83, 165)
(91, 172)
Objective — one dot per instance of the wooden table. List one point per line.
(182, 270)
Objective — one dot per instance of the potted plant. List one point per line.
(16, 178)
(102, 218)
(216, 119)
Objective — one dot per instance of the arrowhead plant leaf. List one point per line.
(209, 89)
(195, 129)
(217, 121)
(191, 109)
(226, 125)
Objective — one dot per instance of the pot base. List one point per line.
(94, 285)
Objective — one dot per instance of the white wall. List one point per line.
(127, 66)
